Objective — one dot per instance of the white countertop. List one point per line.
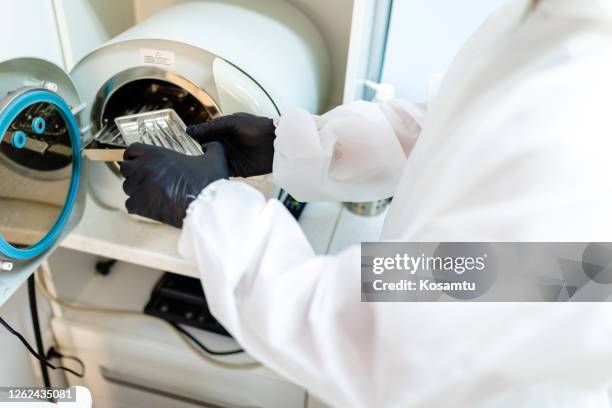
(115, 235)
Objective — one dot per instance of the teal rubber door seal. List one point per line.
(7, 117)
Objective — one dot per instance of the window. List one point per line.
(423, 38)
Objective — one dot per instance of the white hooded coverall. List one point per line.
(516, 146)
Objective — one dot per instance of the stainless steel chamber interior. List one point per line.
(143, 89)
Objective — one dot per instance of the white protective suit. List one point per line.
(516, 146)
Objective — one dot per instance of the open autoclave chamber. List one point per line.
(203, 59)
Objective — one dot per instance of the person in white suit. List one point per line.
(516, 146)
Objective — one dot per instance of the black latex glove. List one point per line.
(248, 142)
(162, 183)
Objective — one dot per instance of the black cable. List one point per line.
(54, 353)
(34, 353)
(202, 346)
(37, 336)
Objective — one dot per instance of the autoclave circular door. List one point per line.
(40, 165)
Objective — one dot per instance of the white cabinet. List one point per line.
(138, 361)
(64, 31)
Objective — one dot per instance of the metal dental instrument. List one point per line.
(162, 128)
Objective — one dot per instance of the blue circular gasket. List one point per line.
(39, 125)
(18, 139)
(11, 112)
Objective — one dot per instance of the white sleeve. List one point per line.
(355, 152)
(264, 283)
(302, 316)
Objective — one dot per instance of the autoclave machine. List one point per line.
(202, 59)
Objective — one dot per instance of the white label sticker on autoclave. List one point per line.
(157, 57)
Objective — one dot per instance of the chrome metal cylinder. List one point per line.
(370, 208)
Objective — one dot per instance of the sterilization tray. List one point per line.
(162, 128)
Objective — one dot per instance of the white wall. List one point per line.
(87, 24)
(27, 29)
(424, 36)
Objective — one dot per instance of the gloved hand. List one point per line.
(248, 141)
(162, 183)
